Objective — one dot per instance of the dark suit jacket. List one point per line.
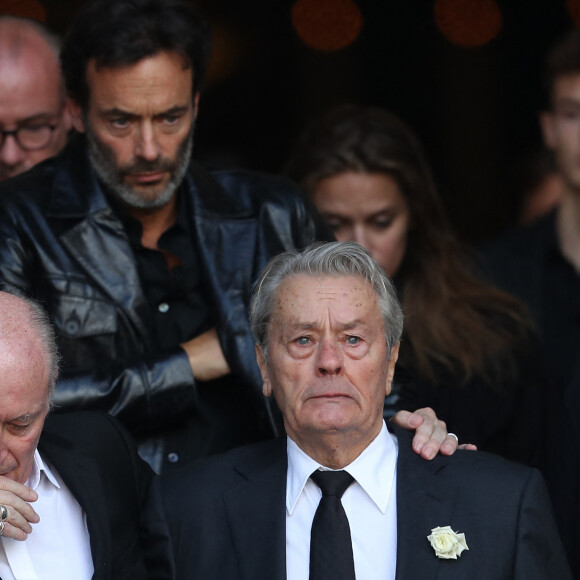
(229, 522)
(98, 461)
(528, 263)
(562, 472)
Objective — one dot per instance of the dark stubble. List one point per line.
(104, 161)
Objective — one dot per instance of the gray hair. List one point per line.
(324, 259)
(40, 323)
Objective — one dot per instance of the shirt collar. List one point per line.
(133, 226)
(39, 467)
(374, 470)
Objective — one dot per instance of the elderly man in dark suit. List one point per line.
(76, 501)
(345, 497)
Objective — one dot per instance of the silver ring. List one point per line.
(3, 513)
(1, 528)
(454, 436)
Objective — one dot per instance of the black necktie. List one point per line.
(330, 543)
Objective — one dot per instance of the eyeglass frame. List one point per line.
(14, 132)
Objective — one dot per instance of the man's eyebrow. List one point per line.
(353, 324)
(27, 417)
(116, 111)
(299, 326)
(43, 117)
(122, 113)
(174, 110)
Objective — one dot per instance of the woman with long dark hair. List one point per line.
(466, 349)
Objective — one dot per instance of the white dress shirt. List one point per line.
(370, 504)
(58, 547)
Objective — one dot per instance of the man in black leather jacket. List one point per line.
(144, 260)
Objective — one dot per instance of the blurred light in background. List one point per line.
(228, 53)
(23, 8)
(327, 25)
(573, 7)
(468, 23)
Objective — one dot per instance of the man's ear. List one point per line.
(547, 124)
(391, 370)
(266, 384)
(67, 117)
(75, 113)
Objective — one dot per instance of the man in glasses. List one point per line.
(34, 119)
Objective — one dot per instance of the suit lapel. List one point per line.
(256, 511)
(81, 475)
(219, 225)
(424, 502)
(257, 516)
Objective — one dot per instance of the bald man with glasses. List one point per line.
(34, 118)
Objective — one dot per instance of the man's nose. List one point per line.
(329, 358)
(3, 453)
(11, 156)
(147, 146)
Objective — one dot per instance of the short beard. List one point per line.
(105, 165)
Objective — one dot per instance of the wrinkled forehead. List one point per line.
(20, 340)
(322, 283)
(161, 78)
(30, 86)
(24, 370)
(302, 296)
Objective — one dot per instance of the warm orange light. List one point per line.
(327, 24)
(23, 8)
(468, 22)
(228, 53)
(573, 7)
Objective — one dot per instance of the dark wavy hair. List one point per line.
(123, 32)
(562, 59)
(452, 318)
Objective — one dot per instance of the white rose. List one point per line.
(447, 543)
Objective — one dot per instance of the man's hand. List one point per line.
(15, 497)
(206, 357)
(431, 435)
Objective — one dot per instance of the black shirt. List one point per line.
(180, 310)
(560, 316)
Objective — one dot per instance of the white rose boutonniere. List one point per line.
(447, 543)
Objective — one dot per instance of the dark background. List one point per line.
(474, 107)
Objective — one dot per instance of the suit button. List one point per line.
(72, 326)
(163, 307)
(172, 457)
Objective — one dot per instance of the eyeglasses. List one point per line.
(30, 137)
